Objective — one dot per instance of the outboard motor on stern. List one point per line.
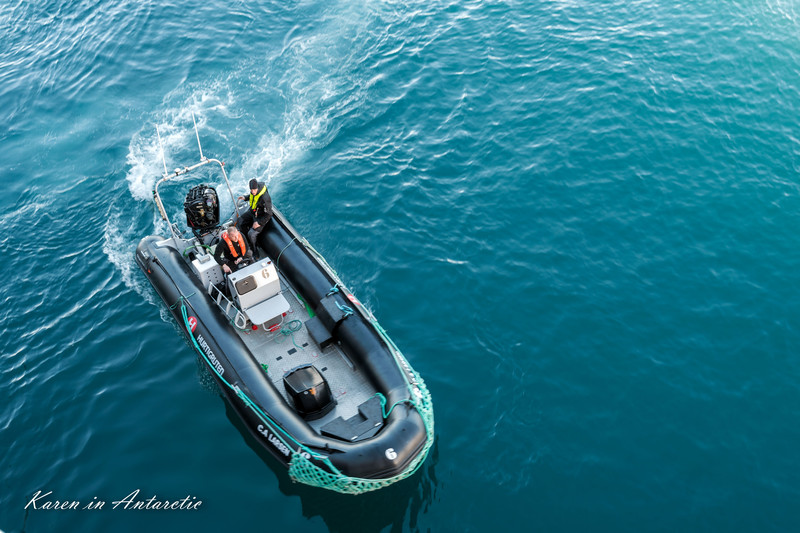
(202, 208)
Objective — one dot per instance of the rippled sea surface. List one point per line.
(578, 219)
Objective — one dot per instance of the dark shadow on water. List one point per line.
(397, 505)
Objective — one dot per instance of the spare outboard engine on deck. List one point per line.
(309, 391)
(202, 208)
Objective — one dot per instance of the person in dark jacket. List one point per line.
(259, 213)
(232, 253)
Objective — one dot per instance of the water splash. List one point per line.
(321, 85)
(119, 245)
(315, 79)
(177, 136)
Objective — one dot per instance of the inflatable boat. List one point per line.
(306, 366)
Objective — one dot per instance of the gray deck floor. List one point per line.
(282, 353)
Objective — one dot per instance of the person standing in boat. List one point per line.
(253, 221)
(232, 253)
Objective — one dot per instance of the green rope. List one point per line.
(181, 299)
(395, 404)
(288, 330)
(195, 245)
(347, 310)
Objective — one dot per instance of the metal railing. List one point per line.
(185, 170)
(233, 313)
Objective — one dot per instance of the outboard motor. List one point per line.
(202, 208)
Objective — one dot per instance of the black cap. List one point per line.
(254, 183)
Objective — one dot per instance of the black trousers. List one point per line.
(245, 225)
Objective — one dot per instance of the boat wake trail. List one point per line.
(319, 85)
(262, 118)
(145, 167)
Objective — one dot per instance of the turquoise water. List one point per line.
(578, 220)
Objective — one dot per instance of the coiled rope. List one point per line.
(288, 330)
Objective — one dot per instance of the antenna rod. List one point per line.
(198, 137)
(163, 159)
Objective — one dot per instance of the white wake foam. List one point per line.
(314, 79)
(320, 81)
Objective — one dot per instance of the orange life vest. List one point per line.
(239, 241)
